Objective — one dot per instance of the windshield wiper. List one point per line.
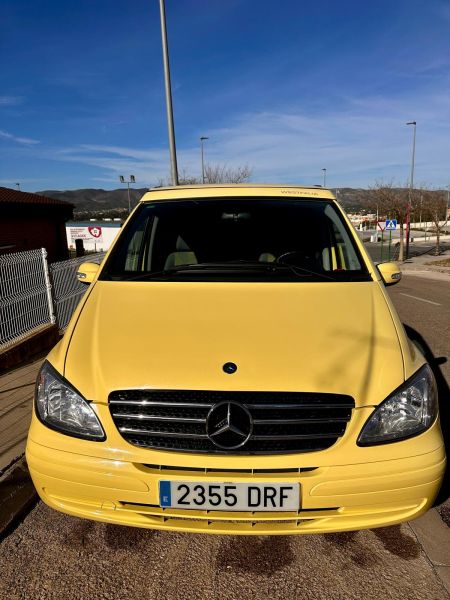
(268, 267)
(300, 270)
(231, 265)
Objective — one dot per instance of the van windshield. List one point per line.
(236, 239)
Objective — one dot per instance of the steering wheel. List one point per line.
(280, 258)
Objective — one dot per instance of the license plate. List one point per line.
(230, 496)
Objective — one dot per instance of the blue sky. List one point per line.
(286, 87)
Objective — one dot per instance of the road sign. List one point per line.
(391, 224)
(380, 225)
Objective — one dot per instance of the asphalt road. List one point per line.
(52, 556)
(424, 305)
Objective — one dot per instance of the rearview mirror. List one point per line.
(390, 272)
(87, 272)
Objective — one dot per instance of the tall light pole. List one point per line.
(411, 186)
(131, 180)
(170, 126)
(448, 203)
(202, 139)
(324, 177)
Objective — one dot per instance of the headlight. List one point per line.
(60, 407)
(408, 411)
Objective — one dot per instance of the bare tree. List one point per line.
(434, 207)
(183, 179)
(213, 174)
(391, 201)
(224, 174)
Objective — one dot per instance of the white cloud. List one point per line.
(366, 140)
(19, 140)
(10, 100)
(146, 165)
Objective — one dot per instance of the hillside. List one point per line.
(103, 203)
(98, 202)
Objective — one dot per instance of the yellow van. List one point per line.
(236, 366)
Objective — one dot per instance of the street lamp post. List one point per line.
(324, 177)
(448, 203)
(202, 139)
(131, 180)
(411, 186)
(170, 126)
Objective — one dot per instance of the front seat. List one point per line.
(182, 256)
(266, 257)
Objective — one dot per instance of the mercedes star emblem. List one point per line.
(229, 425)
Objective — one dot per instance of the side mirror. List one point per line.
(390, 272)
(87, 272)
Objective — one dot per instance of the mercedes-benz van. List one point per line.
(236, 366)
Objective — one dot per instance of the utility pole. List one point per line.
(448, 204)
(202, 139)
(170, 126)
(324, 177)
(411, 186)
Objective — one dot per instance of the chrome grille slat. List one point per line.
(296, 421)
(306, 436)
(156, 403)
(140, 417)
(283, 422)
(177, 434)
(297, 406)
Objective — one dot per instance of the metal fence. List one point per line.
(66, 289)
(33, 293)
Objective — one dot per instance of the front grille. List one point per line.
(283, 422)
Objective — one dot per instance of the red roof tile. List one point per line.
(17, 197)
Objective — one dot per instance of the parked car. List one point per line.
(236, 366)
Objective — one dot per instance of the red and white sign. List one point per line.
(95, 232)
(89, 234)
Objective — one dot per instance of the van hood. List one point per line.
(314, 337)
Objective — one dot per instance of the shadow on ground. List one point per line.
(444, 403)
(258, 556)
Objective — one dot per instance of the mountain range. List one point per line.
(104, 203)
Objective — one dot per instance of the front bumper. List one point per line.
(333, 498)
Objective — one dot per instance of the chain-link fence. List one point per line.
(33, 293)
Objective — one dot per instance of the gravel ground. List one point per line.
(444, 511)
(54, 556)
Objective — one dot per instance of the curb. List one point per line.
(34, 343)
(426, 273)
(434, 537)
(17, 495)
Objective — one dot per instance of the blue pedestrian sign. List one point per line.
(391, 224)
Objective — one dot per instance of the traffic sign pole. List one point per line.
(382, 229)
